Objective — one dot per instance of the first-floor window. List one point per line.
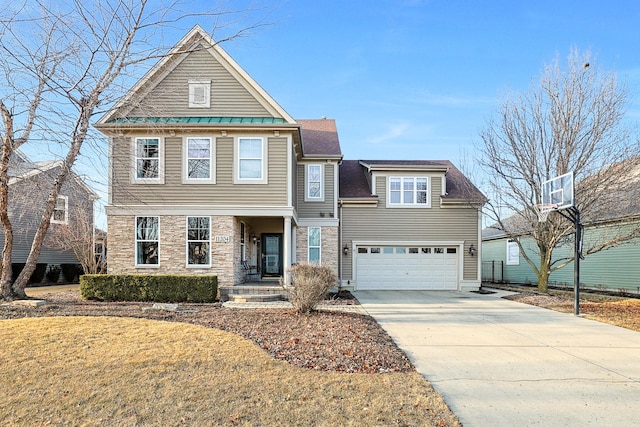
(147, 158)
(147, 240)
(314, 244)
(243, 248)
(513, 252)
(199, 240)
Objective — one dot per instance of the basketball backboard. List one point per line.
(557, 193)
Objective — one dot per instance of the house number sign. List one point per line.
(222, 239)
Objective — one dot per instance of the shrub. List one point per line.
(152, 288)
(71, 271)
(310, 285)
(53, 274)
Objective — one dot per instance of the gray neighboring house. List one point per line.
(210, 175)
(28, 190)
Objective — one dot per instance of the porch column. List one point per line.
(286, 256)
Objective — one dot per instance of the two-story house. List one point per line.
(209, 175)
(29, 184)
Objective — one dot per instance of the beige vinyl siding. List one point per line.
(313, 209)
(170, 98)
(380, 224)
(294, 182)
(223, 193)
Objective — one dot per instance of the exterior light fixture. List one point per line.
(345, 250)
(472, 250)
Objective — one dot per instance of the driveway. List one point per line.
(498, 362)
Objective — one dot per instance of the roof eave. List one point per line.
(405, 168)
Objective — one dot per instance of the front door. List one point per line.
(272, 254)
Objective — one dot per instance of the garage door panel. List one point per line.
(400, 269)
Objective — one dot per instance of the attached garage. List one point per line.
(406, 267)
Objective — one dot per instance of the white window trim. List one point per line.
(509, 260)
(186, 239)
(308, 198)
(408, 205)
(66, 211)
(206, 85)
(212, 161)
(135, 242)
(236, 161)
(309, 247)
(134, 156)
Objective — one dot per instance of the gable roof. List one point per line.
(195, 40)
(319, 138)
(354, 182)
(20, 168)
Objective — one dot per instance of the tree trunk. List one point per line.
(6, 277)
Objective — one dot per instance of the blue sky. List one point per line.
(412, 79)
(415, 79)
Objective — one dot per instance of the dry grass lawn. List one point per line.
(615, 310)
(138, 372)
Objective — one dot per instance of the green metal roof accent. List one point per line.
(197, 120)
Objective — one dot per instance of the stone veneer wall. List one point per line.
(329, 246)
(173, 246)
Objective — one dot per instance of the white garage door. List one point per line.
(406, 268)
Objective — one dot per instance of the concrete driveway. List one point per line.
(502, 363)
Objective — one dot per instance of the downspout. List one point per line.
(340, 254)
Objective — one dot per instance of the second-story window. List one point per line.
(314, 183)
(199, 159)
(61, 211)
(148, 160)
(408, 191)
(251, 161)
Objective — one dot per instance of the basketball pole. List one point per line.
(574, 215)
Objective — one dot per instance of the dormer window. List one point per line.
(199, 93)
(408, 192)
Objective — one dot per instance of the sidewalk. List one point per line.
(498, 362)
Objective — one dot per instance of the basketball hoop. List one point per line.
(544, 210)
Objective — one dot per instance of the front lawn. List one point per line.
(100, 369)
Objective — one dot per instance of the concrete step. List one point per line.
(255, 297)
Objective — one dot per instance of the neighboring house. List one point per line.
(209, 175)
(29, 184)
(616, 268)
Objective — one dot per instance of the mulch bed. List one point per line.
(322, 340)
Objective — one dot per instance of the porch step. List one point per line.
(255, 298)
(226, 292)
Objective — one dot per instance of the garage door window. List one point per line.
(438, 250)
(413, 250)
(426, 250)
(375, 250)
(363, 250)
(387, 250)
(451, 250)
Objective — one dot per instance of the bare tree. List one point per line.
(571, 120)
(78, 237)
(60, 64)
